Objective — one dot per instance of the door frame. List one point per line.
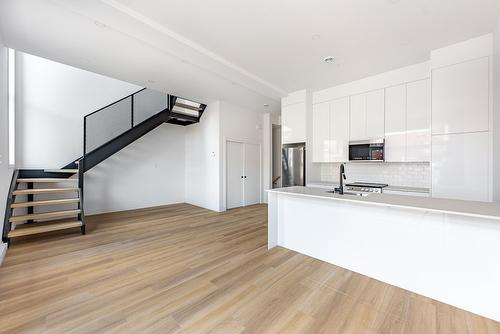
(225, 141)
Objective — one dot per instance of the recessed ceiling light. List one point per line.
(316, 37)
(328, 60)
(266, 105)
(99, 24)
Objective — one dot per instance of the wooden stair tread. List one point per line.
(45, 180)
(187, 106)
(47, 202)
(69, 171)
(43, 191)
(44, 215)
(36, 229)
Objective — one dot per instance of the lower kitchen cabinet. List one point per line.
(460, 166)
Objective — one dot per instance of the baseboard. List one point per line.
(3, 251)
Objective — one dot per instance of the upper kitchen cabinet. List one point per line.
(293, 117)
(460, 97)
(375, 106)
(418, 121)
(367, 115)
(321, 132)
(357, 117)
(339, 130)
(407, 122)
(395, 123)
(331, 131)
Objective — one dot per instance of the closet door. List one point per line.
(251, 179)
(235, 174)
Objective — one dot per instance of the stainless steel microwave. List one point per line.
(367, 150)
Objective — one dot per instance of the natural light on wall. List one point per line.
(12, 107)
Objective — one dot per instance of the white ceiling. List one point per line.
(273, 39)
(248, 52)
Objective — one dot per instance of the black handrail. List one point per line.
(8, 208)
(118, 101)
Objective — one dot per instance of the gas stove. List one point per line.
(366, 187)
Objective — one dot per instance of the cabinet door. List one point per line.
(418, 121)
(321, 132)
(375, 110)
(460, 166)
(460, 97)
(357, 117)
(234, 175)
(293, 123)
(251, 179)
(395, 124)
(339, 130)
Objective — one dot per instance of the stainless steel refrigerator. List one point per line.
(293, 162)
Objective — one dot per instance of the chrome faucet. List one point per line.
(342, 178)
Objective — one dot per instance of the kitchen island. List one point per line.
(444, 249)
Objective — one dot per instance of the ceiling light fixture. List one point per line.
(328, 60)
(266, 105)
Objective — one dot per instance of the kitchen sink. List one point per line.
(349, 193)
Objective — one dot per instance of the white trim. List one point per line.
(11, 116)
(3, 252)
(225, 141)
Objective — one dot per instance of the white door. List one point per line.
(234, 171)
(375, 109)
(321, 132)
(251, 176)
(395, 124)
(460, 166)
(460, 97)
(418, 121)
(242, 174)
(357, 117)
(339, 130)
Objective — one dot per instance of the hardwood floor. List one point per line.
(185, 269)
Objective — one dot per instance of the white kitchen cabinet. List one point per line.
(418, 121)
(339, 130)
(375, 105)
(366, 119)
(460, 166)
(321, 132)
(357, 117)
(293, 123)
(331, 131)
(395, 123)
(460, 97)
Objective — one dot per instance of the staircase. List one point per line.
(47, 200)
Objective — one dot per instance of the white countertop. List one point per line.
(451, 206)
(321, 184)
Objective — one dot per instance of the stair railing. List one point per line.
(8, 208)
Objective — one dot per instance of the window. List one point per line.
(12, 106)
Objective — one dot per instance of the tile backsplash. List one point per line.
(394, 174)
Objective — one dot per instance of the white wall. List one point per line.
(202, 177)
(149, 172)
(52, 100)
(5, 172)
(496, 113)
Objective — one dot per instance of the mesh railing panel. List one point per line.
(148, 103)
(107, 124)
